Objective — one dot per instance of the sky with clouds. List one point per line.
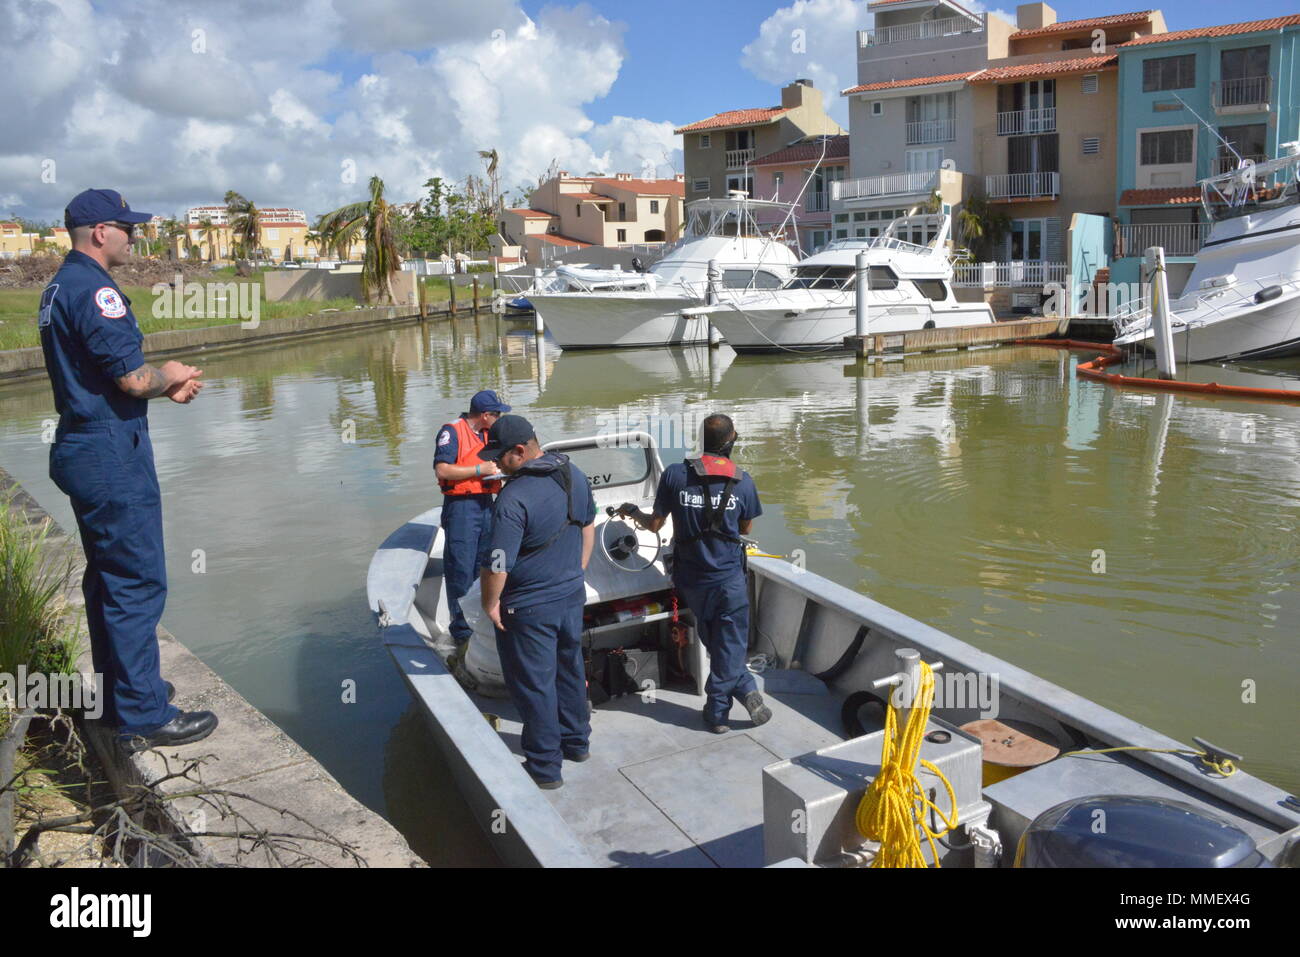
(299, 102)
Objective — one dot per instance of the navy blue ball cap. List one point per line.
(487, 401)
(507, 432)
(101, 206)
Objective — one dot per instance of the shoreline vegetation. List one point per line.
(18, 307)
(39, 633)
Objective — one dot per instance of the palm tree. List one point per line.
(494, 185)
(244, 224)
(981, 225)
(209, 233)
(313, 241)
(374, 220)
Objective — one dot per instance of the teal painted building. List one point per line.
(1242, 79)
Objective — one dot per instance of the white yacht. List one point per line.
(911, 288)
(601, 309)
(1242, 299)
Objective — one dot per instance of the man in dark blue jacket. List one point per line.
(102, 459)
(713, 503)
(533, 590)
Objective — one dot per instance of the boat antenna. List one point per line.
(799, 198)
(1187, 106)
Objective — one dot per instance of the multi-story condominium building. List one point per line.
(282, 234)
(1240, 79)
(574, 212)
(14, 242)
(802, 175)
(719, 152)
(960, 104)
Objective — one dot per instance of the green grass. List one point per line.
(34, 629)
(18, 308)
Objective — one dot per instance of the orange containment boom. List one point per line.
(1111, 354)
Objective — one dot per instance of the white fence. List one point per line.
(739, 158)
(920, 30)
(1009, 275)
(931, 131)
(895, 184)
(1178, 239)
(1022, 185)
(1244, 91)
(1018, 122)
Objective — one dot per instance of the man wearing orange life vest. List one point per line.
(468, 485)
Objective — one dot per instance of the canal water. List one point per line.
(1138, 549)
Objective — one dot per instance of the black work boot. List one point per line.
(759, 713)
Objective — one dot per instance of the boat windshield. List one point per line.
(1252, 188)
(614, 465)
(827, 276)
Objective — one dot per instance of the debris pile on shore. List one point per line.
(34, 272)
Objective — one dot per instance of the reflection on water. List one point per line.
(1137, 548)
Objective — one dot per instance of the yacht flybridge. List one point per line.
(910, 275)
(1030, 764)
(1242, 300)
(596, 309)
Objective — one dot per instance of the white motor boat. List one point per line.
(661, 790)
(602, 309)
(1242, 300)
(910, 288)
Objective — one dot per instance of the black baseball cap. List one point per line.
(93, 206)
(507, 432)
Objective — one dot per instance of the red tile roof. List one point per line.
(530, 213)
(735, 118)
(562, 241)
(917, 81)
(837, 147)
(1069, 26)
(1090, 64)
(650, 187)
(1227, 30)
(1162, 196)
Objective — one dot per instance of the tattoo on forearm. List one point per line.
(145, 382)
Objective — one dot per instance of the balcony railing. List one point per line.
(1243, 92)
(1009, 275)
(931, 131)
(1177, 239)
(1226, 164)
(817, 203)
(737, 159)
(920, 30)
(1022, 185)
(895, 184)
(1017, 122)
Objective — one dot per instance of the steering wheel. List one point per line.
(623, 543)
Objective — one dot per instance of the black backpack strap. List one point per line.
(564, 478)
(713, 518)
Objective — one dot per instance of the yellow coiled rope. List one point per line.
(893, 811)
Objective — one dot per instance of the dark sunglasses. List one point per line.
(128, 228)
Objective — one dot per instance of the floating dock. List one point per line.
(958, 337)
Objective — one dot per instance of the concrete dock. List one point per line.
(247, 755)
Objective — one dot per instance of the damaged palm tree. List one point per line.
(372, 219)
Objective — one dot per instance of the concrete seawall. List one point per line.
(28, 363)
(249, 755)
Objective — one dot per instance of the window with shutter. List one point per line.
(1089, 83)
(1091, 145)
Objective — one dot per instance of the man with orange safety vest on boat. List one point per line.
(713, 503)
(468, 485)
